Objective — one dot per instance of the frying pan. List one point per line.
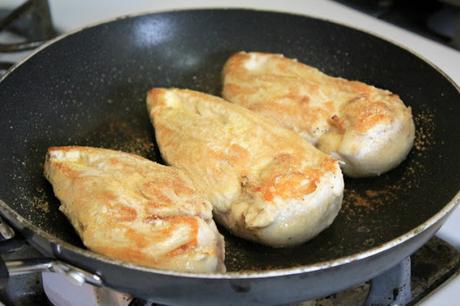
(88, 88)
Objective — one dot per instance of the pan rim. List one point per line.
(11, 214)
(236, 8)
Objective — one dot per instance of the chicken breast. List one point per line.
(132, 209)
(369, 129)
(266, 184)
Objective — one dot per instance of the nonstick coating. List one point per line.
(89, 89)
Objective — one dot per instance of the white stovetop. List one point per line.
(72, 14)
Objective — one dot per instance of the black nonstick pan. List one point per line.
(88, 88)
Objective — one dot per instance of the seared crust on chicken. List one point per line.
(369, 129)
(266, 184)
(132, 209)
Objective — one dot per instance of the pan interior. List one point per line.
(89, 89)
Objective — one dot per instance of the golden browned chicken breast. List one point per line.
(266, 184)
(369, 129)
(132, 209)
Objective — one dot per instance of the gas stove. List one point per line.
(429, 277)
(407, 283)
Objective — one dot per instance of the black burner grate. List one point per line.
(31, 22)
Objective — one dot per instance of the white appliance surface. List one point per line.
(70, 15)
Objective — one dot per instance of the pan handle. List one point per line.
(34, 265)
(9, 242)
